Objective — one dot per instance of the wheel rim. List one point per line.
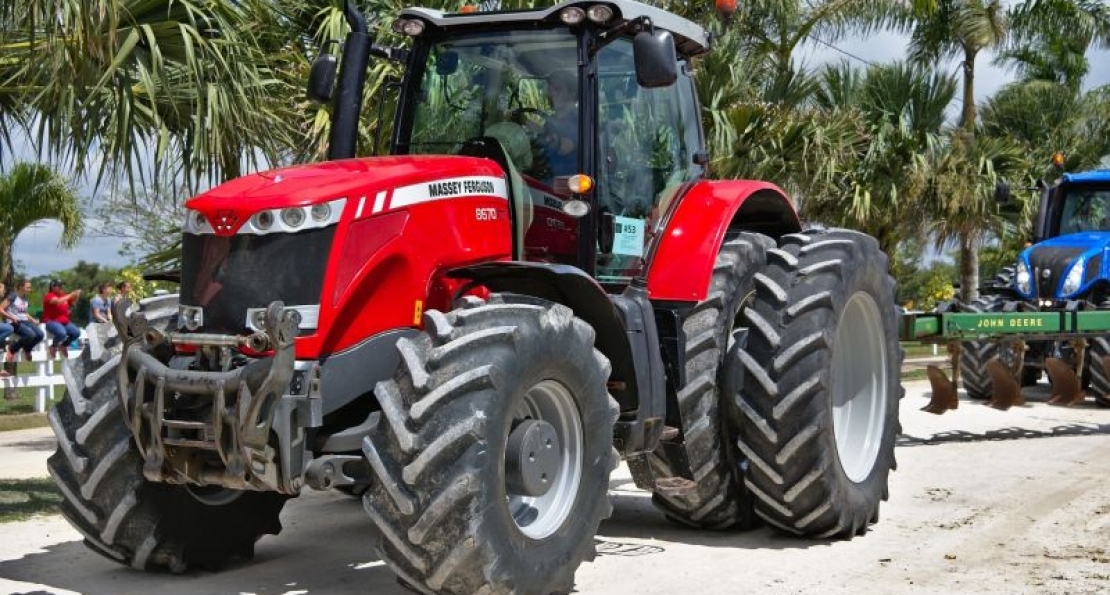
(859, 375)
(538, 516)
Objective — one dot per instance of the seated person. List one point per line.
(26, 327)
(560, 137)
(55, 313)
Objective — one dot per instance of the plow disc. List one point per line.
(944, 392)
(1066, 390)
(1005, 388)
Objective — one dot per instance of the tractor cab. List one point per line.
(1073, 233)
(593, 107)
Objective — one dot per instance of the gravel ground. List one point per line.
(982, 502)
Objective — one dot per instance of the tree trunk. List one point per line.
(968, 114)
(969, 268)
(6, 264)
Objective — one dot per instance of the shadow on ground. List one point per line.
(327, 547)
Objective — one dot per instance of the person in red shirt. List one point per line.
(55, 313)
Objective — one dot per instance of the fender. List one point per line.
(681, 257)
(574, 289)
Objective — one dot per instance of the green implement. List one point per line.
(1009, 333)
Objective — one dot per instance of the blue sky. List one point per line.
(37, 252)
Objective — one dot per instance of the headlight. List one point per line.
(1074, 278)
(263, 220)
(293, 217)
(194, 221)
(1023, 278)
(321, 212)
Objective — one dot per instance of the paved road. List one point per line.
(983, 502)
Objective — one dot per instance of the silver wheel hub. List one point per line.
(543, 459)
(533, 458)
(859, 385)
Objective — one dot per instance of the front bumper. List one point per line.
(240, 428)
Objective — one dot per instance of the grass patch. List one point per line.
(910, 375)
(22, 421)
(22, 400)
(922, 350)
(20, 499)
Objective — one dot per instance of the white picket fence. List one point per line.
(43, 378)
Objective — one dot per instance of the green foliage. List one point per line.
(30, 193)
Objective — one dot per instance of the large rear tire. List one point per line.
(123, 516)
(492, 452)
(822, 385)
(706, 453)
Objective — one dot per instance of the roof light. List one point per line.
(572, 15)
(725, 7)
(580, 183)
(410, 27)
(1058, 160)
(468, 9)
(601, 13)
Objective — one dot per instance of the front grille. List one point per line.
(227, 275)
(1049, 266)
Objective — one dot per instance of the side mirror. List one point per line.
(656, 59)
(321, 78)
(1002, 193)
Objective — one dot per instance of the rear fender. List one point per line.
(697, 223)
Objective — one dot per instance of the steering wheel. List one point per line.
(522, 115)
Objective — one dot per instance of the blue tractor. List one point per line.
(1066, 270)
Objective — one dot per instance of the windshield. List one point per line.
(1085, 209)
(520, 87)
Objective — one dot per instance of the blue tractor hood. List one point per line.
(1050, 263)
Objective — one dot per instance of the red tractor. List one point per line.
(472, 332)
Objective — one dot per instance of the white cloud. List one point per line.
(37, 252)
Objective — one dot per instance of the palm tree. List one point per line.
(902, 107)
(956, 29)
(1050, 39)
(106, 83)
(30, 193)
(956, 178)
(1052, 117)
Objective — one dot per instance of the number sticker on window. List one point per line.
(628, 236)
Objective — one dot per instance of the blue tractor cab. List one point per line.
(1066, 262)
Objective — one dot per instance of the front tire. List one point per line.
(492, 452)
(124, 517)
(822, 385)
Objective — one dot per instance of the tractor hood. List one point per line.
(354, 179)
(1065, 267)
